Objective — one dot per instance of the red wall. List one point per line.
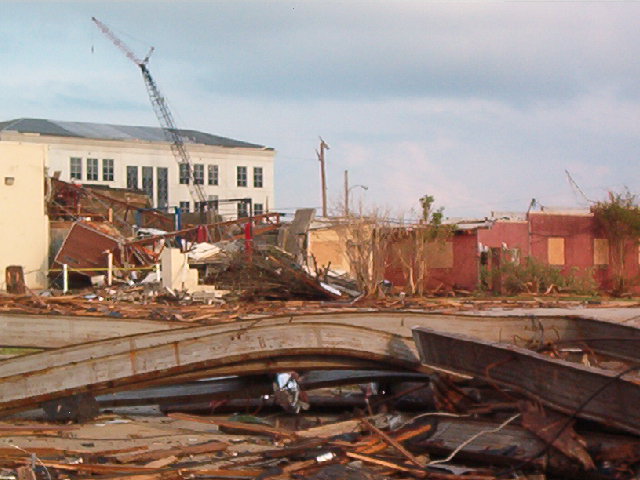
(464, 274)
(578, 232)
(514, 234)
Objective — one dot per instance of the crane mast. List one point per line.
(162, 112)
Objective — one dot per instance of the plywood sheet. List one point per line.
(600, 251)
(555, 251)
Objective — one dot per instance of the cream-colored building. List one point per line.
(24, 225)
(140, 157)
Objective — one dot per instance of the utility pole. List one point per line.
(346, 193)
(323, 147)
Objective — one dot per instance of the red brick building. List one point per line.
(569, 240)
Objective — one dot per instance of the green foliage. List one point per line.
(619, 219)
(533, 276)
(430, 216)
(619, 216)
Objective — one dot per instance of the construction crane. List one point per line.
(171, 133)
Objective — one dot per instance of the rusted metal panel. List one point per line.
(86, 247)
(571, 388)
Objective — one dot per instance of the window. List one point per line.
(184, 173)
(555, 251)
(201, 206)
(213, 174)
(213, 202)
(257, 177)
(198, 174)
(107, 169)
(162, 191)
(241, 176)
(92, 169)
(75, 168)
(147, 181)
(243, 211)
(132, 178)
(258, 209)
(600, 251)
(184, 207)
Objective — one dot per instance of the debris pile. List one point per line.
(340, 394)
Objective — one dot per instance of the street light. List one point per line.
(347, 191)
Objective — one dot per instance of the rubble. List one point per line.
(214, 350)
(459, 418)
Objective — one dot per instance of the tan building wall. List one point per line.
(328, 246)
(24, 225)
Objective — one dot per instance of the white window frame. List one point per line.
(198, 174)
(75, 168)
(108, 167)
(93, 169)
(241, 176)
(213, 174)
(258, 177)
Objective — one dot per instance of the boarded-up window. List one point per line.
(439, 254)
(555, 251)
(600, 251)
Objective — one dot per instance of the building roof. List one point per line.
(103, 131)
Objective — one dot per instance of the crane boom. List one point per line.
(162, 112)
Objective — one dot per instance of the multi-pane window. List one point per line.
(198, 174)
(75, 168)
(162, 174)
(92, 169)
(213, 174)
(241, 176)
(184, 207)
(132, 177)
(213, 202)
(107, 169)
(257, 177)
(147, 181)
(243, 211)
(183, 173)
(258, 209)
(201, 206)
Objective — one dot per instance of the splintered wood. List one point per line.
(475, 397)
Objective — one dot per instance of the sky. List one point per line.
(484, 105)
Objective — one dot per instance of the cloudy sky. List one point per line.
(482, 104)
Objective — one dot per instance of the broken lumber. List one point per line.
(111, 364)
(571, 388)
(246, 428)
(150, 455)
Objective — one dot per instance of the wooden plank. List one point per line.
(246, 428)
(113, 364)
(102, 369)
(509, 329)
(181, 451)
(588, 392)
(394, 443)
(617, 340)
(52, 331)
